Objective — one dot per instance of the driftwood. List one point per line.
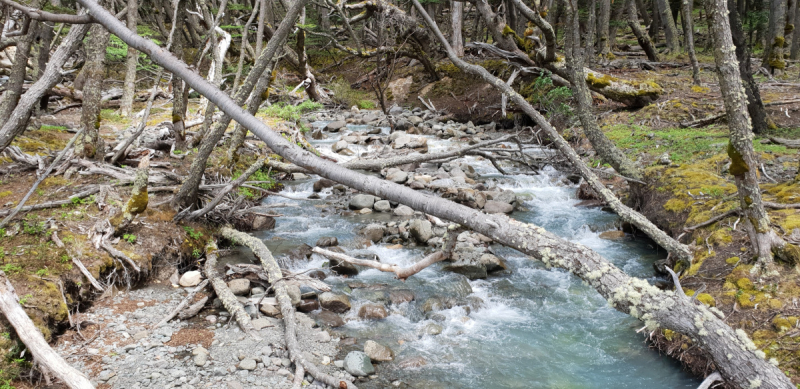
(183, 304)
(790, 143)
(193, 309)
(227, 189)
(285, 302)
(229, 301)
(43, 354)
(711, 119)
(41, 178)
(402, 272)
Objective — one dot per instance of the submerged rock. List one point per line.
(358, 364)
(612, 235)
(378, 352)
(372, 312)
(335, 126)
(327, 241)
(328, 319)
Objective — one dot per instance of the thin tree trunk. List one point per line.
(262, 15)
(43, 57)
(91, 145)
(245, 37)
(734, 354)
(755, 106)
(603, 22)
(638, 31)
(688, 34)
(16, 78)
(655, 28)
(591, 25)
(773, 49)
(668, 23)
(547, 30)
(179, 103)
(15, 124)
(643, 11)
(456, 20)
(187, 195)
(795, 15)
(744, 163)
(259, 96)
(617, 15)
(131, 59)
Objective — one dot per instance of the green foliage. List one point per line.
(366, 104)
(237, 7)
(197, 253)
(192, 233)
(116, 49)
(33, 227)
(130, 238)
(551, 99)
(344, 95)
(65, 258)
(291, 112)
(260, 175)
(11, 268)
(42, 272)
(24, 299)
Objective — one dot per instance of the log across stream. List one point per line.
(528, 327)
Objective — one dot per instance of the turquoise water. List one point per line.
(538, 328)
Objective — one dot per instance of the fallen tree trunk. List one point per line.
(733, 353)
(285, 302)
(225, 295)
(182, 305)
(402, 273)
(33, 339)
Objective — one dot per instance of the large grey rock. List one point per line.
(397, 176)
(471, 270)
(492, 263)
(400, 296)
(415, 120)
(378, 352)
(294, 294)
(382, 206)
(402, 125)
(247, 364)
(395, 110)
(403, 210)
(190, 278)
(334, 302)
(327, 241)
(420, 230)
(373, 232)
(360, 201)
(239, 286)
(328, 319)
(339, 146)
(335, 126)
(493, 206)
(358, 364)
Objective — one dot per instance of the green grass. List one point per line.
(291, 112)
(47, 127)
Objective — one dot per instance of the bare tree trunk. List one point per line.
(262, 15)
(795, 17)
(260, 95)
(744, 164)
(617, 15)
(131, 59)
(734, 354)
(688, 34)
(773, 49)
(755, 106)
(668, 22)
(643, 11)
(245, 43)
(187, 195)
(45, 38)
(591, 25)
(16, 78)
(603, 22)
(456, 20)
(179, 103)
(638, 31)
(91, 145)
(16, 123)
(547, 30)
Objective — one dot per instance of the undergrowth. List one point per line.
(290, 112)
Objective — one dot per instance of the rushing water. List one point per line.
(538, 328)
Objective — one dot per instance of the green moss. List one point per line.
(744, 284)
(720, 237)
(5, 194)
(781, 323)
(599, 82)
(728, 286)
(738, 165)
(775, 303)
(732, 260)
(743, 300)
(669, 334)
(779, 41)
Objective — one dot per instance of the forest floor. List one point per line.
(690, 188)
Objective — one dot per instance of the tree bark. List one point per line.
(456, 21)
(591, 26)
(744, 163)
(259, 96)
(42, 51)
(603, 21)
(131, 59)
(638, 31)
(262, 15)
(33, 339)
(188, 193)
(91, 145)
(668, 23)
(795, 18)
(755, 106)
(179, 103)
(773, 49)
(547, 30)
(688, 35)
(733, 353)
(16, 78)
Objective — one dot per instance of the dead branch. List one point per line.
(229, 301)
(276, 279)
(87, 274)
(182, 304)
(33, 339)
(402, 273)
(57, 203)
(713, 220)
(790, 143)
(193, 309)
(227, 189)
(119, 255)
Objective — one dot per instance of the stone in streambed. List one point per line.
(335, 126)
(403, 210)
(294, 294)
(323, 183)
(239, 286)
(247, 364)
(361, 201)
(372, 312)
(400, 296)
(327, 241)
(334, 302)
(190, 278)
(382, 206)
(397, 176)
(270, 310)
(373, 232)
(308, 305)
(612, 235)
(421, 230)
(358, 364)
(328, 319)
(378, 352)
(493, 206)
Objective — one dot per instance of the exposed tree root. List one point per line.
(229, 301)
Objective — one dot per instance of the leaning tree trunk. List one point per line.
(91, 145)
(734, 354)
(603, 24)
(179, 103)
(42, 51)
(456, 21)
(755, 106)
(640, 33)
(773, 49)
(668, 22)
(16, 78)
(187, 195)
(129, 87)
(260, 94)
(603, 146)
(547, 30)
(744, 164)
(16, 123)
(688, 35)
